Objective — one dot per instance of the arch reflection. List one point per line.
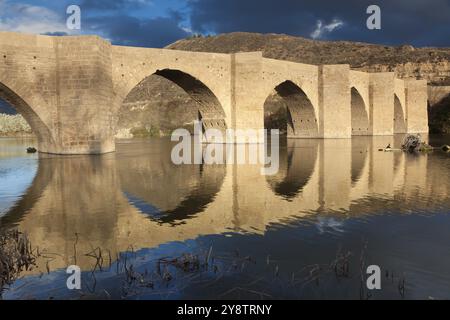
(297, 165)
(79, 203)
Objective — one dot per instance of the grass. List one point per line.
(16, 255)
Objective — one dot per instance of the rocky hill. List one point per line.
(12, 123)
(432, 64)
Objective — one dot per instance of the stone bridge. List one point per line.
(70, 90)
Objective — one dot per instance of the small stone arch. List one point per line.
(359, 116)
(300, 116)
(399, 116)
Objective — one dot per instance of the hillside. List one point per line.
(432, 64)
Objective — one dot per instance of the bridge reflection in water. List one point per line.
(137, 198)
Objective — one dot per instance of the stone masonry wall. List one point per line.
(84, 91)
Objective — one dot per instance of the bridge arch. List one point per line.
(399, 116)
(359, 115)
(27, 110)
(209, 108)
(299, 116)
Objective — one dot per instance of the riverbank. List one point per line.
(13, 126)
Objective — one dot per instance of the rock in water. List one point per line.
(414, 143)
(411, 142)
(31, 150)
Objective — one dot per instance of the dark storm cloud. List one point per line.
(131, 31)
(115, 20)
(418, 22)
(111, 4)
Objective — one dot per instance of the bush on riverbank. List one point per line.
(16, 256)
(13, 124)
(144, 132)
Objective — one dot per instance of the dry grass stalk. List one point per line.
(16, 255)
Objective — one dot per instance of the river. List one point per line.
(140, 227)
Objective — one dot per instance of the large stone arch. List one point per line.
(301, 116)
(359, 114)
(399, 116)
(209, 109)
(32, 108)
(203, 76)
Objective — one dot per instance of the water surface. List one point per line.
(303, 233)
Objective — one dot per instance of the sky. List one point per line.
(157, 23)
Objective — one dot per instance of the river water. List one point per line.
(140, 227)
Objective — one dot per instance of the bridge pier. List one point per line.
(63, 88)
(416, 93)
(83, 117)
(334, 101)
(381, 109)
(247, 98)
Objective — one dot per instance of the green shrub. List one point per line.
(147, 131)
